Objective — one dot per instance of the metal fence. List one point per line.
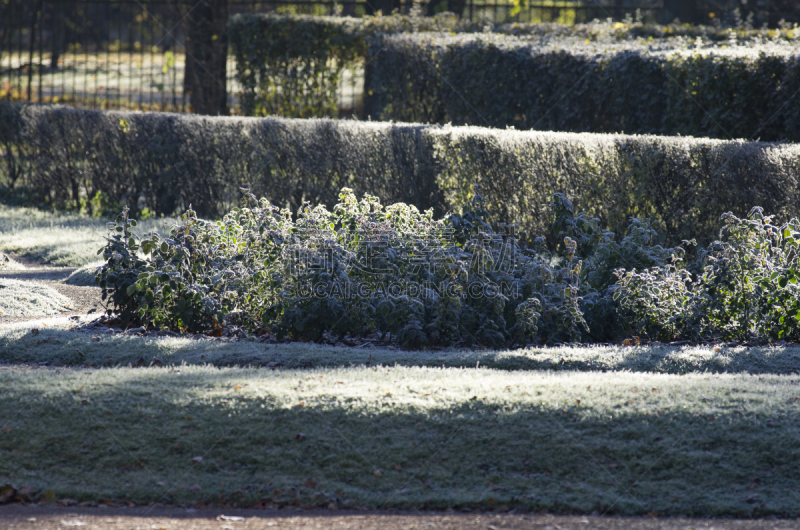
(129, 54)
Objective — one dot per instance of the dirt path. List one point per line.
(84, 299)
(40, 517)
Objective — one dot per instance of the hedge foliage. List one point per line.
(605, 30)
(669, 87)
(291, 65)
(164, 163)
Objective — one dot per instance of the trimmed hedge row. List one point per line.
(664, 87)
(607, 30)
(291, 65)
(167, 162)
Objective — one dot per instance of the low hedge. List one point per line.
(665, 87)
(164, 163)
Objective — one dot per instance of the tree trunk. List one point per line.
(206, 43)
(57, 36)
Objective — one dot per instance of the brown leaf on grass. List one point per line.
(378, 473)
(6, 429)
(311, 483)
(7, 493)
(398, 467)
(237, 387)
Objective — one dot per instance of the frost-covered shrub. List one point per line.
(743, 287)
(363, 268)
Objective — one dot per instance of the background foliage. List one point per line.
(292, 65)
(655, 86)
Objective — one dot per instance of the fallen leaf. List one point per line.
(398, 467)
(578, 401)
(311, 483)
(6, 429)
(300, 437)
(378, 473)
(237, 387)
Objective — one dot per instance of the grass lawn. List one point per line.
(63, 240)
(411, 429)
(699, 431)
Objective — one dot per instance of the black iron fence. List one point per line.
(131, 54)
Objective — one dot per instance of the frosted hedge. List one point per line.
(658, 86)
(73, 158)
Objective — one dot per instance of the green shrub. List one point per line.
(667, 86)
(743, 287)
(363, 269)
(167, 162)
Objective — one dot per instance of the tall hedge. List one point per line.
(165, 162)
(291, 65)
(662, 87)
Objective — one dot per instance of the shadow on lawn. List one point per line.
(161, 440)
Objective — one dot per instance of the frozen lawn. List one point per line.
(64, 240)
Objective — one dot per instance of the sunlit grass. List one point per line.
(66, 240)
(18, 298)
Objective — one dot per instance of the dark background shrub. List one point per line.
(566, 84)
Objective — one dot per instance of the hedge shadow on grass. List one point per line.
(136, 435)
